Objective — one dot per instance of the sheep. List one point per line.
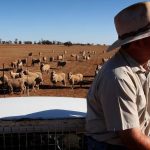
(45, 68)
(44, 59)
(96, 72)
(104, 51)
(77, 57)
(73, 55)
(94, 52)
(38, 82)
(84, 57)
(88, 57)
(65, 52)
(14, 64)
(19, 70)
(30, 54)
(36, 61)
(32, 81)
(78, 78)
(60, 57)
(51, 59)
(58, 77)
(16, 83)
(19, 64)
(24, 61)
(3, 83)
(83, 53)
(61, 63)
(98, 69)
(14, 75)
(3, 79)
(104, 60)
(40, 54)
(35, 74)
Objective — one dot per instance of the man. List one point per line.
(118, 102)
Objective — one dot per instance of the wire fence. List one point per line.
(64, 134)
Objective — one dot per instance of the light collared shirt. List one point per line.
(118, 99)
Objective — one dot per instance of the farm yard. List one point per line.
(50, 61)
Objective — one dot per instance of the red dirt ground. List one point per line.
(9, 53)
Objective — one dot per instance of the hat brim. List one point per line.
(130, 39)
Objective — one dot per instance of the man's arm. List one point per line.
(134, 139)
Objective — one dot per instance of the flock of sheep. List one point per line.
(22, 79)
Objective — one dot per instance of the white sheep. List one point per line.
(44, 59)
(83, 53)
(88, 57)
(98, 68)
(14, 75)
(19, 64)
(32, 81)
(65, 52)
(75, 78)
(58, 77)
(60, 57)
(16, 83)
(45, 68)
(35, 74)
(73, 55)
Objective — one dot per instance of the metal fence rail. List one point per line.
(61, 134)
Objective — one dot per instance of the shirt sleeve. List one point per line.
(118, 98)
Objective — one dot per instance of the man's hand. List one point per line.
(134, 139)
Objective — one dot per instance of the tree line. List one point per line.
(42, 42)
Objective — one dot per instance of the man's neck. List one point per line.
(139, 56)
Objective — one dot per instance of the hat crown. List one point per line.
(133, 19)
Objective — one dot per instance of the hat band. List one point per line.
(134, 33)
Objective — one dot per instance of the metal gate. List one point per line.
(63, 134)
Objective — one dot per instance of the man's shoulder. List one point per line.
(117, 68)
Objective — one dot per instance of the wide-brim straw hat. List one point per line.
(132, 23)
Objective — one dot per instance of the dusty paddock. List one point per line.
(9, 53)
